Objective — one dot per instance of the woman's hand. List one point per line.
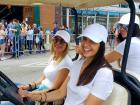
(24, 87)
(22, 93)
(34, 96)
(78, 49)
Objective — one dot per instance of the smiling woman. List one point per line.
(59, 62)
(57, 69)
(88, 76)
(133, 62)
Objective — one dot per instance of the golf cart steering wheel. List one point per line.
(9, 91)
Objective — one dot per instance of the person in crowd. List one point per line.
(16, 31)
(30, 34)
(56, 28)
(133, 62)
(10, 35)
(90, 81)
(111, 38)
(62, 27)
(36, 32)
(41, 36)
(25, 23)
(48, 36)
(2, 41)
(23, 38)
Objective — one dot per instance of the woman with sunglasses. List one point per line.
(90, 81)
(133, 62)
(57, 69)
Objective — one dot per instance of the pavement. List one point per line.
(26, 68)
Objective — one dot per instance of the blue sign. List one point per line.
(93, 12)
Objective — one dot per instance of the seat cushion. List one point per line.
(119, 96)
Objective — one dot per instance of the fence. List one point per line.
(20, 45)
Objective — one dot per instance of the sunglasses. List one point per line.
(58, 40)
(122, 26)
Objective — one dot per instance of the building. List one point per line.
(106, 16)
(41, 14)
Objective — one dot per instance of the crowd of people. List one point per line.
(16, 37)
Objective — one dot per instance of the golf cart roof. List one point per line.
(65, 3)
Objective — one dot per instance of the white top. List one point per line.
(101, 86)
(52, 69)
(30, 34)
(133, 62)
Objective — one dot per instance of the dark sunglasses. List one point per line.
(120, 26)
(58, 40)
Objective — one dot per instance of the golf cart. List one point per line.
(126, 86)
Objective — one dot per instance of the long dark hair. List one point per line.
(90, 71)
(136, 33)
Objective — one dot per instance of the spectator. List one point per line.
(36, 32)
(48, 35)
(30, 35)
(23, 38)
(56, 28)
(10, 35)
(16, 31)
(2, 41)
(41, 36)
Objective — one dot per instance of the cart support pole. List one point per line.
(76, 31)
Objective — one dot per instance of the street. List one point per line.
(26, 68)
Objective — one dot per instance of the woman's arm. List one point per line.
(33, 84)
(13, 29)
(113, 56)
(93, 100)
(60, 77)
(48, 97)
(102, 87)
(59, 93)
(78, 50)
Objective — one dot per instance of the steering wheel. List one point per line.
(9, 91)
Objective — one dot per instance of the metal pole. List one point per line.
(67, 14)
(107, 20)
(76, 31)
(135, 88)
